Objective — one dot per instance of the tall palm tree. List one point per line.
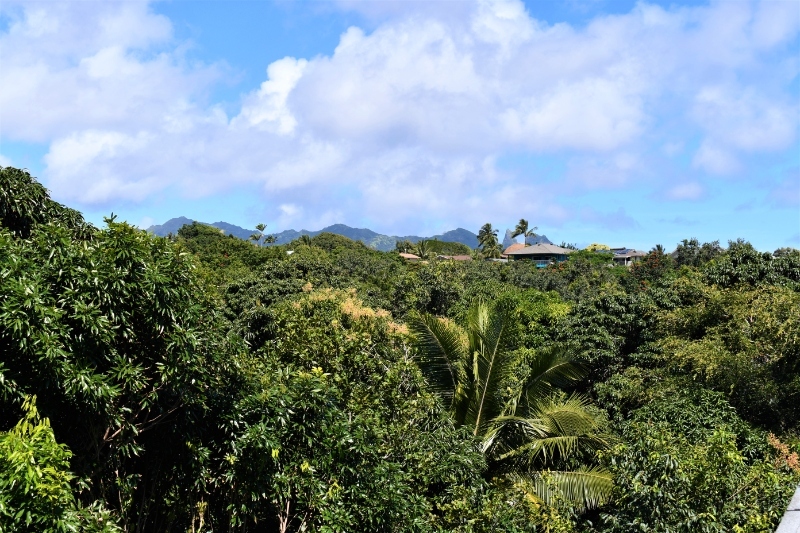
(524, 430)
(659, 249)
(259, 239)
(487, 239)
(522, 229)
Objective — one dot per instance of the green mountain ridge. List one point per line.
(371, 238)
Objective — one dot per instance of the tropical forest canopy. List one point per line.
(205, 383)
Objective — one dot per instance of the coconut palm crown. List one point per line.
(530, 431)
(487, 240)
(522, 229)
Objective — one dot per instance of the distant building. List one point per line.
(542, 254)
(409, 257)
(455, 257)
(626, 256)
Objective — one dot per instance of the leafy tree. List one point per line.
(652, 268)
(36, 487)
(224, 258)
(448, 248)
(334, 433)
(599, 257)
(687, 462)
(526, 429)
(743, 343)
(117, 339)
(405, 246)
(691, 253)
(522, 229)
(331, 241)
(742, 264)
(25, 203)
(782, 252)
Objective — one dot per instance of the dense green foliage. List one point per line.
(205, 383)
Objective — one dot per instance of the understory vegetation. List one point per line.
(205, 383)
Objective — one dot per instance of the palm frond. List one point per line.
(509, 433)
(551, 368)
(566, 416)
(585, 488)
(558, 429)
(492, 364)
(441, 355)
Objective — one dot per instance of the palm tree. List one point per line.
(659, 249)
(259, 238)
(487, 239)
(522, 229)
(423, 249)
(528, 433)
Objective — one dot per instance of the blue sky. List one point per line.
(626, 123)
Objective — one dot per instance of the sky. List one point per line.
(610, 121)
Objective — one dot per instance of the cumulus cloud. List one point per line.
(406, 121)
(91, 65)
(268, 108)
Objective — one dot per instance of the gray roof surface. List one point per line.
(630, 253)
(549, 249)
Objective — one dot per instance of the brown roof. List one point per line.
(549, 249)
(513, 248)
(409, 256)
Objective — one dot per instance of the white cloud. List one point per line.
(715, 159)
(90, 65)
(405, 122)
(502, 22)
(685, 191)
(267, 108)
(746, 120)
(775, 23)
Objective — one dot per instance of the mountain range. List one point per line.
(371, 238)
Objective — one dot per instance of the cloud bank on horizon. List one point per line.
(424, 116)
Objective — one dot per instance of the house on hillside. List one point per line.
(626, 256)
(542, 254)
(409, 257)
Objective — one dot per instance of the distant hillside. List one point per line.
(367, 236)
